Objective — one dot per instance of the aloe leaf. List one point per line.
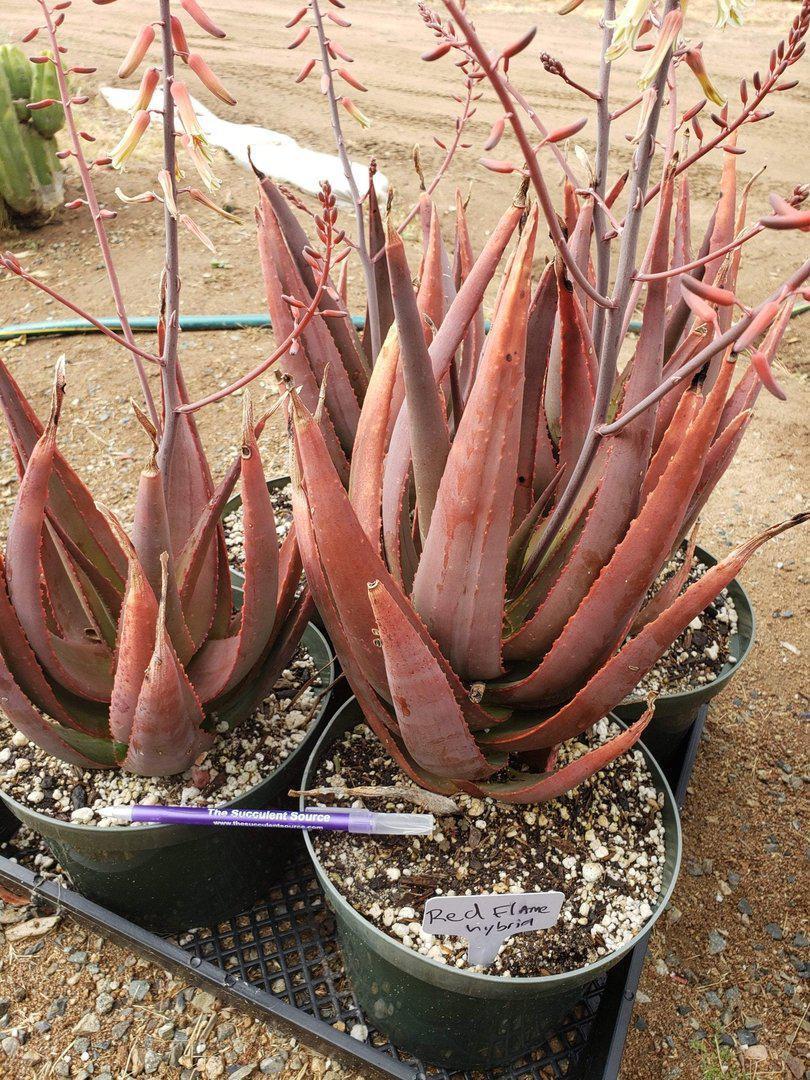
(30, 722)
(543, 788)
(188, 487)
(473, 343)
(223, 662)
(22, 663)
(151, 539)
(442, 349)
(342, 330)
(459, 588)
(295, 363)
(258, 683)
(376, 246)
(617, 499)
(370, 445)
(685, 412)
(83, 667)
(721, 454)
(621, 674)
(427, 423)
(316, 341)
(681, 237)
(577, 362)
(328, 527)
(670, 589)
(536, 461)
(605, 614)
(429, 717)
(167, 733)
(69, 501)
(377, 712)
(136, 642)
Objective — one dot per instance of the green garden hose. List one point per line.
(191, 323)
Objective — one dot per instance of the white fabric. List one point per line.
(278, 156)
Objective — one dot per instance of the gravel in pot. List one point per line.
(169, 877)
(612, 846)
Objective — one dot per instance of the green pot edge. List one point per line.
(35, 819)
(632, 707)
(410, 960)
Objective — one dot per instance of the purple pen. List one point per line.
(336, 818)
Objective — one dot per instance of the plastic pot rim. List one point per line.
(147, 827)
(274, 483)
(583, 973)
(745, 643)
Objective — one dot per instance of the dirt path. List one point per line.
(747, 807)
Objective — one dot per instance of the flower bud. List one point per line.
(759, 362)
(179, 39)
(714, 294)
(498, 166)
(351, 80)
(182, 101)
(758, 325)
(209, 79)
(137, 51)
(306, 70)
(146, 91)
(201, 19)
(495, 134)
(566, 132)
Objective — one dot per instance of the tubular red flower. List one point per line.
(201, 18)
(130, 139)
(146, 91)
(209, 79)
(182, 101)
(137, 51)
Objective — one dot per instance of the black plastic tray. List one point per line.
(281, 961)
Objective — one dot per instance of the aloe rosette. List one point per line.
(124, 649)
(478, 625)
(488, 576)
(31, 175)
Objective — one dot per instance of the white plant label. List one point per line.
(486, 921)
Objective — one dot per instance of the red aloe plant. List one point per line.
(128, 650)
(513, 498)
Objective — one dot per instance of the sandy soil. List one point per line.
(746, 811)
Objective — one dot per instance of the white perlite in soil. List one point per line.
(700, 653)
(601, 845)
(235, 763)
(281, 499)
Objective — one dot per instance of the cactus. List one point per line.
(31, 176)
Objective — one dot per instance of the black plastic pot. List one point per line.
(675, 713)
(8, 823)
(169, 877)
(276, 484)
(455, 1018)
